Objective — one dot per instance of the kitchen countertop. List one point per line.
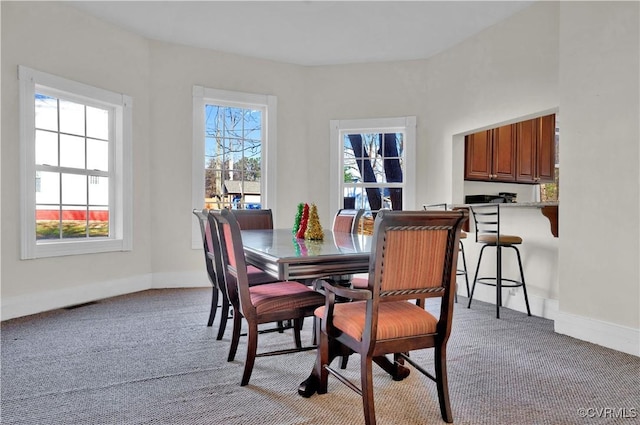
(548, 209)
(513, 204)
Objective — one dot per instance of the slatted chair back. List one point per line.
(486, 218)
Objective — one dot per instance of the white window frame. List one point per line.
(339, 128)
(268, 104)
(120, 182)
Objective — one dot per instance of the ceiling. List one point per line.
(309, 32)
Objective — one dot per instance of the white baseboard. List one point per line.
(27, 304)
(540, 307)
(610, 335)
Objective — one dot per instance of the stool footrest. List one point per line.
(492, 281)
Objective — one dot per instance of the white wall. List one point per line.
(599, 101)
(60, 40)
(176, 69)
(544, 59)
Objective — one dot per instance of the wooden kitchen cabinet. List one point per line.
(491, 155)
(535, 160)
(523, 152)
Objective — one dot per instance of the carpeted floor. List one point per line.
(148, 358)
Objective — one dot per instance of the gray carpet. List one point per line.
(148, 358)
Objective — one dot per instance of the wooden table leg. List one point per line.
(309, 386)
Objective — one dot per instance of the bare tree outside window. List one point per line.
(233, 157)
(373, 162)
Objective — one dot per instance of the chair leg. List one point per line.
(524, 287)
(366, 380)
(344, 361)
(224, 316)
(498, 280)
(235, 338)
(442, 383)
(464, 266)
(475, 277)
(252, 348)
(297, 326)
(214, 306)
(323, 359)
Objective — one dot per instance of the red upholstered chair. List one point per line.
(414, 256)
(215, 271)
(269, 302)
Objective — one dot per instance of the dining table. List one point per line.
(285, 257)
(336, 257)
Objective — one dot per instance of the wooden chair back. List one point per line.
(347, 220)
(254, 219)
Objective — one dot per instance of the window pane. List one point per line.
(48, 222)
(233, 157)
(71, 117)
(97, 155)
(46, 112)
(97, 123)
(46, 148)
(71, 151)
(74, 189)
(49, 186)
(98, 222)
(74, 221)
(98, 190)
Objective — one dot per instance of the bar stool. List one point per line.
(487, 222)
(463, 235)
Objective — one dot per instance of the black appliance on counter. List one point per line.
(509, 197)
(484, 199)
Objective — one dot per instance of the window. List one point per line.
(233, 151)
(75, 168)
(375, 164)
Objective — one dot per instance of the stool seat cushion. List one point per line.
(504, 239)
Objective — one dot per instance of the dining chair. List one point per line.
(270, 302)
(347, 220)
(215, 271)
(486, 218)
(461, 271)
(414, 255)
(254, 219)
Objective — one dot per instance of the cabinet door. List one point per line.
(477, 162)
(546, 158)
(504, 153)
(527, 136)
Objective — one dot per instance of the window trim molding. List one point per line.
(372, 125)
(269, 104)
(121, 212)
